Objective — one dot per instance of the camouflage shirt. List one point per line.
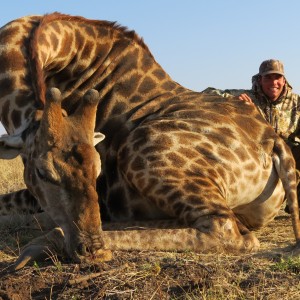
(283, 114)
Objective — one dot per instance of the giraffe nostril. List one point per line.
(81, 249)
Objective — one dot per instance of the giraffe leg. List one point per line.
(21, 207)
(39, 221)
(217, 226)
(225, 233)
(209, 234)
(18, 202)
(287, 209)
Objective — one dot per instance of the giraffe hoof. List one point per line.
(251, 243)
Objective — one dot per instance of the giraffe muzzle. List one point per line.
(90, 249)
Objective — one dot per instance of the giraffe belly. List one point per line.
(263, 209)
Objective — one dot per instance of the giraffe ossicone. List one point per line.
(195, 171)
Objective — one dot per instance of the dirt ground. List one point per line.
(271, 273)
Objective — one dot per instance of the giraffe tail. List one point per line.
(285, 167)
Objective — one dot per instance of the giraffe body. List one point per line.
(212, 166)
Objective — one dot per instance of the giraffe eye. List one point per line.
(46, 176)
(41, 174)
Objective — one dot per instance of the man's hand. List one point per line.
(245, 98)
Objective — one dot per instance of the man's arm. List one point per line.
(244, 95)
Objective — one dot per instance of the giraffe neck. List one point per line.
(75, 54)
(17, 101)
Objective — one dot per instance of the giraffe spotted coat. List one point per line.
(211, 167)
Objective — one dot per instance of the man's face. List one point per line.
(272, 85)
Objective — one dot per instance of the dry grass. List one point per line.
(271, 273)
(11, 175)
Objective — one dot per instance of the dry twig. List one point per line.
(94, 275)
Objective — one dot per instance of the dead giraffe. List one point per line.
(211, 164)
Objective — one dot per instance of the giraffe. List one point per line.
(205, 169)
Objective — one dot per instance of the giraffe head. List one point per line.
(61, 168)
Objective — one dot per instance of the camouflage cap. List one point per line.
(271, 66)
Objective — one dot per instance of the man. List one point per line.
(272, 95)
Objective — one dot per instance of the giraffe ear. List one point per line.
(98, 137)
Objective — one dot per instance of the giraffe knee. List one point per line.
(223, 233)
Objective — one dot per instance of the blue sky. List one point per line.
(217, 43)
